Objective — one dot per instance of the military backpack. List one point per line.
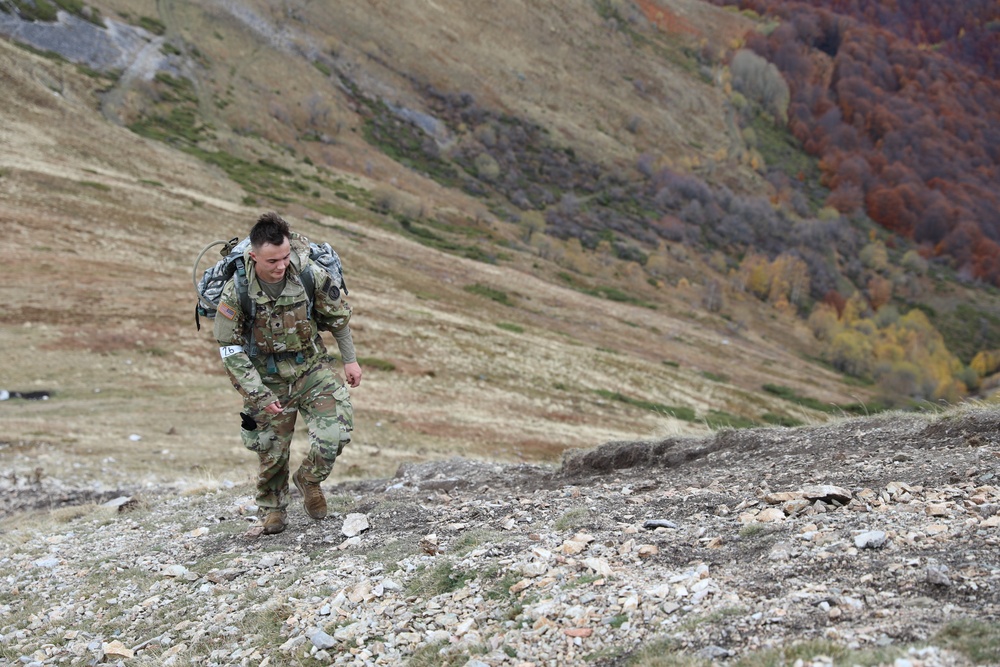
(233, 265)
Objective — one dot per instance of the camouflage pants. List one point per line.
(325, 404)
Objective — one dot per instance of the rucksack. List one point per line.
(233, 265)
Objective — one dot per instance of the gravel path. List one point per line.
(870, 541)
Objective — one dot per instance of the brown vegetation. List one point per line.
(905, 131)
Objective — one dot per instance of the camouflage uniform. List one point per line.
(291, 365)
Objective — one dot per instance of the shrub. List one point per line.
(377, 364)
(153, 25)
(490, 293)
(761, 81)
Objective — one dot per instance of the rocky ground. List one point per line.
(869, 541)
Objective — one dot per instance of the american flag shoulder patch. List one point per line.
(226, 311)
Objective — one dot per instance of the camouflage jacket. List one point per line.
(285, 335)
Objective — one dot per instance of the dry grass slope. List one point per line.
(102, 227)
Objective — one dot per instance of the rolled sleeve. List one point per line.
(228, 329)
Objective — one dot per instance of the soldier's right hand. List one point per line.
(274, 409)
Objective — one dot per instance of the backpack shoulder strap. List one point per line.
(301, 250)
(309, 283)
(247, 305)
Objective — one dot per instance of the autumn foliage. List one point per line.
(904, 355)
(901, 103)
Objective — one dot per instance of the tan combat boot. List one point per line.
(274, 522)
(312, 495)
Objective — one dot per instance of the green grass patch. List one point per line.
(792, 396)
(805, 652)
(619, 620)
(677, 412)
(438, 654)
(177, 126)
(426, 237)
(572, 519)
(376, 363)
(478, 254)
(609, 655)
(618, 295)
(511, 327)
(603, 292)
(717, 419)
(44, 53)
(337, 211)
(714, 377)
(490, 293)
(583, 580)
(257, 177)
(784, 152)
(86, 70)
(752, 530)
(693, 621)
(153, 25)
(76, 8)
(342, 189)
(975, 639)
(780, 420)
(37, 10)
(97, 186)
(470, 539)
(266, 623)
(500, 590)
(442, 578)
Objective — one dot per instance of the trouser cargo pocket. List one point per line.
(260, 440)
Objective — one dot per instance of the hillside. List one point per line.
(899, 102)
(556, 335)
(661, 166)
(496, 359)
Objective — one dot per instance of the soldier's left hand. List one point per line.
(353, 373)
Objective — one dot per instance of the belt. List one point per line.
(296, 355)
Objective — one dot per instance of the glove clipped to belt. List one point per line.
(248, 422)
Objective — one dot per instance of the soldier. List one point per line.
(276, 359)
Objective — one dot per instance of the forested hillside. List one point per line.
(826, 168)
(899, 101)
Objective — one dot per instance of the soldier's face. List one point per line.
(272, 261)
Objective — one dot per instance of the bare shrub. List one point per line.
(761, 81)
(387, 199)
(711, 296)
(487, 168)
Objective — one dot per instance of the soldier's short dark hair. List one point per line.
(270, 228)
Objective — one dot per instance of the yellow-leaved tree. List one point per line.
(986, 362)
(904, 355)
(785, 280)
